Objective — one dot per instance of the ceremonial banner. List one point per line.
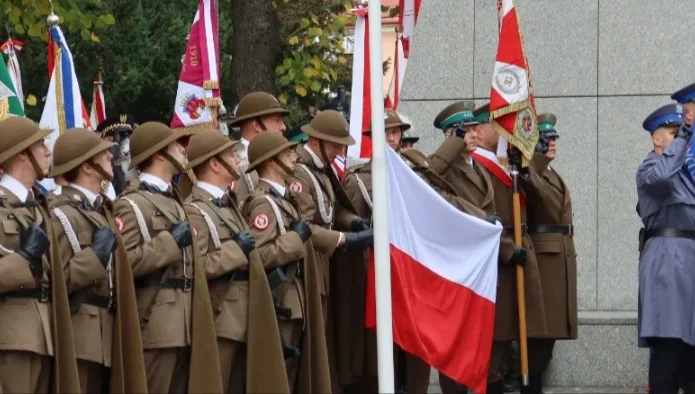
(98, 112)
(9, 102)
(10, 48)
(64, 108)
(360, 101)
(198, 94)
(512, 107)
(443, 278)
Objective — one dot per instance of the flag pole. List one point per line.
(382, 260)
(520, 285)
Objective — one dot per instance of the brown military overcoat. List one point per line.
(277, 245)
(550, 204)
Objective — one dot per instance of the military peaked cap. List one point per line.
(109, 125)
(456, 114)
(546, 125)
(482, 113)
(670, 115)
(685, 95)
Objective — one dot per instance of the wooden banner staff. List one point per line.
(520, 286)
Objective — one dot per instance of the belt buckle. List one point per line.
(187, 284)
(44, 292)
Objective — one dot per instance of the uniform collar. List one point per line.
(15, 186)
(317, 161)
(215, 191)
(487, 154)
(155, 181)
(91, 196)
(245, 142)
(469, 160)
(280, 189)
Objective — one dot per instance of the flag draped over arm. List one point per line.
(512, 107)
(198, 94)
(443, 278)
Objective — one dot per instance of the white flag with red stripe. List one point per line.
(360, 101)
(98, 111)
(512, 107)
(443, 278)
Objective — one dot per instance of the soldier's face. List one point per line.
(689, 113)
(288, 157)
(662, 138)
(406, 146)
(178, 152)
(471, 139)
(393, 137)
(230, 157)
(332, 150)
(487, 136)
(274, 122)
(104, 161)
(552, 149)
(42, 154)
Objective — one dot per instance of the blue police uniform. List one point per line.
(666, 310)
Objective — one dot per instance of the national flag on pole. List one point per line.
(98, 112)
(360, 101)
(9, 102)
(512, 107)
(408, 11)
(443, 278)
(198, 94)
(64, 108)
(10, 48)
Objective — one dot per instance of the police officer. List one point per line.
(257, 112)
(118, 129)
(227, 249)
(550, 224)
(686, 98)
(665, 191)
(506, 310)
(35, 327)
(322, 198)
(94, 273)
(283, 239)
(157, 235)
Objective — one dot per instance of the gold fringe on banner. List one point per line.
(213, 102)
(514, 107)
(527, 147)
(190, 130)
(210, 85)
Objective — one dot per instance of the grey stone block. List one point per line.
(642, 47)
(623, 144)
(576, 163)
(441, 54)
(560, 39)
(604, 355)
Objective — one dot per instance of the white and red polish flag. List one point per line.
(443, 278)
(198, 92)
(408, 11)
(98, 111)
(512, 106)
(360, 101)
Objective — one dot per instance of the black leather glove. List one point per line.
(543, 144)
(302, 228)
(103, 244)
(181, 231)
(246, 241)
(515, 156)
(360, 224)
(685, 132)
(34, 243)
(460, 131)
(360, 240)
(519, 256)
(493, 219)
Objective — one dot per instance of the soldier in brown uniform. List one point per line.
(36, 342)
(506, 310)
(283, 240)
(550, 224)
(322, 198)
(95, 274)
(234, 271)
(157, 235)
(257, 112)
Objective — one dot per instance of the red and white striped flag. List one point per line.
(198, 94)
(512, 106)
(443, 278)
(360, 102)
(10, 48)
(98, 111)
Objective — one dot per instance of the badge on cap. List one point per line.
(296, 187)
(261, 221)
(120, 224)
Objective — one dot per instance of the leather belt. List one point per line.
(645, 234)
(41, 293)
(545, 229)
(286, 267)
(233, 276)
(93, 299)
(152, 281)
(510, 230)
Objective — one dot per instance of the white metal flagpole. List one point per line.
(382, 261)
